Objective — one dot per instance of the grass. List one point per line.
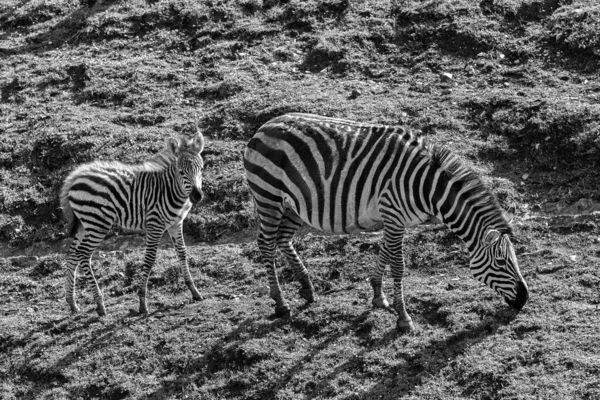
(510, 85)
(467, 343)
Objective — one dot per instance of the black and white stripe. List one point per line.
(155, 197)
(341, 176)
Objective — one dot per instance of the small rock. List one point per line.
(354, 94)
(446, 77)
(525, 176)
(446, 91)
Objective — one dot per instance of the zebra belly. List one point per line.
(367, 218)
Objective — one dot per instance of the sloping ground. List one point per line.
(512, 85)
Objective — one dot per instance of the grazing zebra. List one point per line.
(344, 177)
(155, 196)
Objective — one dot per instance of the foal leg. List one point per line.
(154, 233)
(176, 233)
(71, 276)
(86, 247)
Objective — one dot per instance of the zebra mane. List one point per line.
(454, 168)
(158, 161)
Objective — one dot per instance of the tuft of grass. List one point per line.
(576, 27)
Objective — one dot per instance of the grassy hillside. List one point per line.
(511, 85)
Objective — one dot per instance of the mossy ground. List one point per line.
(511, 85)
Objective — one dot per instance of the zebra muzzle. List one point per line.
(196, 196)
(521, 298)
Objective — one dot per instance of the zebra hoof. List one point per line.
(405, 326)
(143, 308)
(307, 294)
(197, 297)
(283, 312)
(101, 310)
(380, 302)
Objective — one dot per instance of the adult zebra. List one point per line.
(341, 176)
(155, 196)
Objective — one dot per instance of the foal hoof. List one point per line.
(405, 326)
(283, 312)
(307, 294)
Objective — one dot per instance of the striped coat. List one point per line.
(341, 176)
(155, 197)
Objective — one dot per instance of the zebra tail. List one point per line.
(71, 220)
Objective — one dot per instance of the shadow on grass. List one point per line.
(66, 332)
(399, 380)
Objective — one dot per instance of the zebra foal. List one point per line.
(154, 196)
(342, 177)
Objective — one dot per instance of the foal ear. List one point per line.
(491, 236)
(173, 145)
(510, 214)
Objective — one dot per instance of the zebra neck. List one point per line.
(468, 213)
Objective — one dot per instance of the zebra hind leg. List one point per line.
(85, 249)
(290, 223)
(266, 241)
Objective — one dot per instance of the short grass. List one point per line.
(467, 343)
(511, 85)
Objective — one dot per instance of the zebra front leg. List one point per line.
(379, 298)
(266, 246)
(394, 248)
(176, 233)
(290, 223)
(153, 235)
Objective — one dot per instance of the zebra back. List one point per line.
(335, 173)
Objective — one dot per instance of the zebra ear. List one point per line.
(198, 142)
(491, 237)
(173, 145)
(510, 214)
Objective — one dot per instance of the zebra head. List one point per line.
(494, 263)
(189, 164)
